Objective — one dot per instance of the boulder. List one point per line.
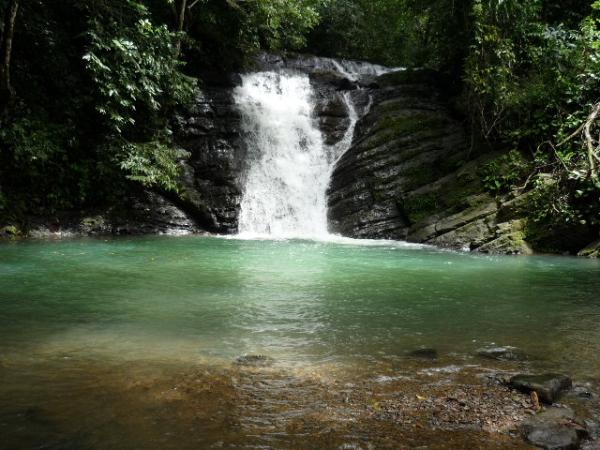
(548, 386)
(554, 429)
(553, 437)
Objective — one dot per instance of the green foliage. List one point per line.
(279, 24)
(224, 34)
(97, 83)
(526, 77)
(152, 164)
(532, 80)
(561, 219)
(135, 70)
(37, 153)
(9, 230)
(502, 174)
(31, 141)
(393, 32)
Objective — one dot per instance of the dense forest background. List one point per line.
(88, 88)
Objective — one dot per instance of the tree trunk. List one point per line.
(591, 148)
(6, 90)
(180, 24)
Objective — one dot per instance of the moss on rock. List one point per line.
(9, 232)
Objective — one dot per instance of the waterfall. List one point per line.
(289, 165)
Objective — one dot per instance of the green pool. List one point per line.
(73, 308)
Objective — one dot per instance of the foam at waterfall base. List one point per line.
(327, 238)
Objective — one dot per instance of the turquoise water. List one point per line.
(93, 333)
(298, 302)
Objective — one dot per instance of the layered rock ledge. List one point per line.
(413, 173)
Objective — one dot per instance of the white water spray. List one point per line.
(289, 165)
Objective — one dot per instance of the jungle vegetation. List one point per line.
(88, 87)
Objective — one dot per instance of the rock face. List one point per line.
(210, 132)
(412, 174)
(592, 250)
(141, 212)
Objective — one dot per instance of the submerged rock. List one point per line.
(254, 361)
(548, 386)
(501, 353)
(424, 353)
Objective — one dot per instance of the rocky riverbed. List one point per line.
(256, 402)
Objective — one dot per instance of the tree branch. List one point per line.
(194, 3)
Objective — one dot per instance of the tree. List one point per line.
(181, 8)
(7, 92)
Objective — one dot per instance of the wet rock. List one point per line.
(411, 173)
(254, 361)
(424, 353)
(501, 353)
(582, 392)
(511, 243)
(210, 132)
(592, 250)
(137, 213)
(334, 79)
(549, 387)
(9, 232)
(554, 429)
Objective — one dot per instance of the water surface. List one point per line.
(78, 315)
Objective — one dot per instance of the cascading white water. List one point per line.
(289, 163)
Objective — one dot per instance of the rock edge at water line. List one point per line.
(501, 353)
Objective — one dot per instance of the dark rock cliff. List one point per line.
(210, 132)
(412, 174)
